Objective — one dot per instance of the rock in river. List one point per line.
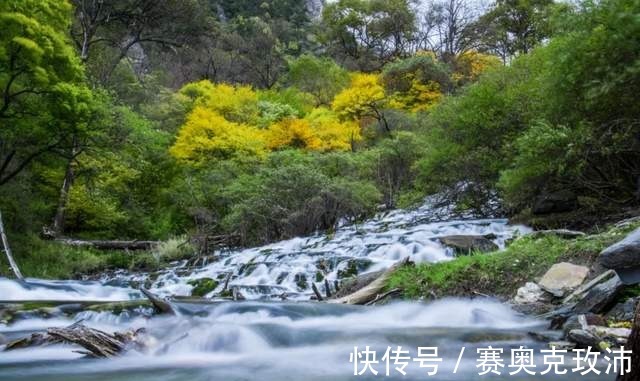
(624, 258)
(466, 244)
(563, 277)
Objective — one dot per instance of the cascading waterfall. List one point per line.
(265, 338)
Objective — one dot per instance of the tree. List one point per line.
(207, 135)
(416, 83)
(515, 26)
(364, 98)
(446, 28)
(367, 34)
(40, 78)
(321, 77)
(121, 26)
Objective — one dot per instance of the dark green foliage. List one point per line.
(202, 286)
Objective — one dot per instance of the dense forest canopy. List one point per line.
(260, 120)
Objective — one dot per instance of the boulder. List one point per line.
(624, 311)
(555, 202)
(600, 296)
(582, 322)
(563, 277)
(624, 258)
(529, 293)
(466, 244)
(584, 338)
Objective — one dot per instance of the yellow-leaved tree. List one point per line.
(470, 65)
(208, 135)
(321, 130)
(363, 98)
(235, 103)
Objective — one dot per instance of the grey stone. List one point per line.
(600, 297)
(466, 244)
(529, 293)
(623, 311)
(624, 258)
(584, 338)
(573, 322)
(563, 277)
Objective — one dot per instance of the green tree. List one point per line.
(321, 77)
(40, 80)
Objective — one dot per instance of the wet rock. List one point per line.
(615, 335)
(555, 202)
(574, 322)
(301, 281)
(354, 267)
(624, 311)
(202, 286)
(546, 336)
(563, 277)
(529, 293)
(584, 338)
(467, 244)
(600, 296)
(624, 258)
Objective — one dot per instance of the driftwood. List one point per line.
(109, 245)
(381, 297)
(373, 290)
(7, 251)
(159, 303)
(95, 343)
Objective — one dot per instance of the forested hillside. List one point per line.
(246, 121)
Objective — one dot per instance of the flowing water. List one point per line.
(266, 338)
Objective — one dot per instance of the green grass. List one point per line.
(50, 260)
(501, 273)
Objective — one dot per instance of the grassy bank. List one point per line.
(38, 258)
(502, 273)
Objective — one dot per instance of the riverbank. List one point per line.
(501, 273)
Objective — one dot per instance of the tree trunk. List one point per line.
(58, 220)
(634, 345)
(7, 251)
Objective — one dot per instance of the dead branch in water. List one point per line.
(95, 343)
(372, 290)
(159, 303)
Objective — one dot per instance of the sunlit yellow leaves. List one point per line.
(419, 97)
(361, 98)
(234, 103)
(292, 133)
(320, 131)
(207, 135)
(470, 65)
(334, 134)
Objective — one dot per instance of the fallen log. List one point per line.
(372, 290)
(95, 343)
(159, 303)
(134, 245)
